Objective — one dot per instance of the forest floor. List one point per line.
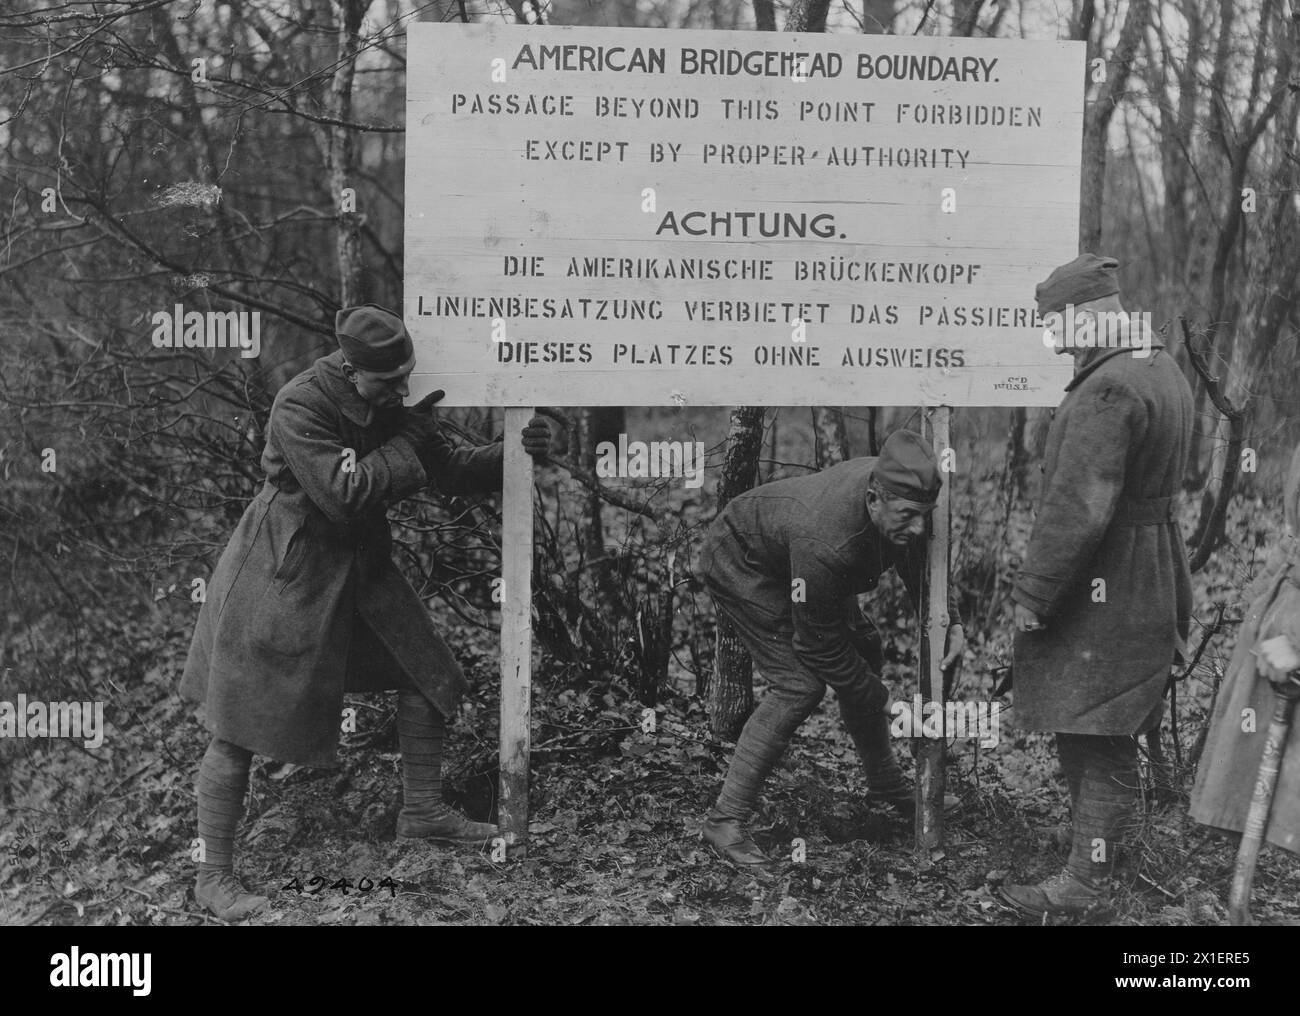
(103, 836)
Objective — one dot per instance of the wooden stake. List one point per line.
(516, 631)
(931, 753)
(1252, 835)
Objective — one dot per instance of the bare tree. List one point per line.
(1098, 113)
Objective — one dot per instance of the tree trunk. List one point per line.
(877, 16)
(1273, 283)
(1225, 460)
(601, 568)
(807, 16)
(828, 424)
(1225, 312)
(606, 423)
(965, 14)
(1017, 460)
(830, 439)
(340, 150)
(730, 692)
(1194, 479)
(1096, 120)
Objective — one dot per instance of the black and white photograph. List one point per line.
(650, 463)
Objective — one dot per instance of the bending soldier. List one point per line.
(784, 562)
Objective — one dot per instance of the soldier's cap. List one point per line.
(373, 338)
(1087, 277)
(907, 469)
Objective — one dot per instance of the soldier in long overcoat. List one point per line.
(1225, 778)
(1103, 594)
(305, 601)
(785, 562)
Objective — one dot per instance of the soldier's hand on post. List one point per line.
(1277, 658)
(420, 428)
(419, 421)
(1027, 620)
(426, 406)
(537, 438)
(956, 647)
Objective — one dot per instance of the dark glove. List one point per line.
(537, 438)
(421, 429)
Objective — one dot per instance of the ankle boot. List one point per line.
(218, 891)
(1064, 893)
(732, 842)
(443, 825)
(220, 787)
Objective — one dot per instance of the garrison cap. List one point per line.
(1087, 277)
(373, 338)
(908, 469)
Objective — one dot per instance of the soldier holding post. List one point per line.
(305, 602)
(784, 561)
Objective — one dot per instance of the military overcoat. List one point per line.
(1105, 566)
(305, 600)
(1225, 778)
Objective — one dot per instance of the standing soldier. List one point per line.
(784, 562)
(305, 602)
(1103, 596)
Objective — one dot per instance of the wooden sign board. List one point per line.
(600, 216)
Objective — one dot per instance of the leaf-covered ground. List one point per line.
(103, 835)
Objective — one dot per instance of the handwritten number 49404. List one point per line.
(364, 885)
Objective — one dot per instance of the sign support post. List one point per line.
(516, 630)
(930, 776)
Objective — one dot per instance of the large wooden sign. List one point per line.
(605, 216)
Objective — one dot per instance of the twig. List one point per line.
(48, 907)
(123, 782)
(1205, 640)
(595, 486)
(1210, 531)
(1159, 888)
(170, 910)
(929, 5)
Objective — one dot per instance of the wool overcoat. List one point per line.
(1225, 778)
(305, 600)
(1105, 565)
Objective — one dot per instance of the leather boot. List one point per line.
(1064, 893)
(219, 892)
(886, 783)
(443, 826)
(731, 841)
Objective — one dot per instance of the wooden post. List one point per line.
(931, 753)
(516, 631)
